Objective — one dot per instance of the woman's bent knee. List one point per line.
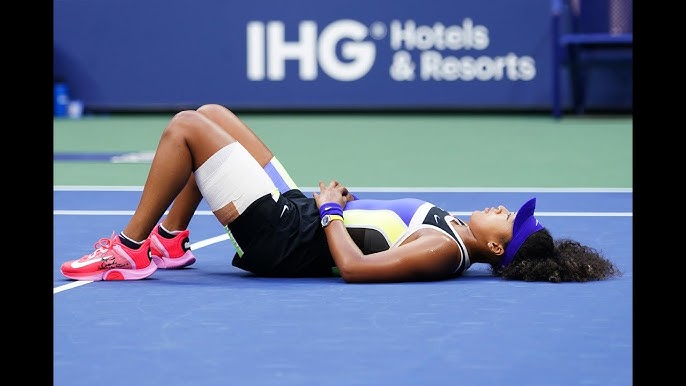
(213, 108)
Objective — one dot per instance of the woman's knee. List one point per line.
(184, 123)
(215, 111)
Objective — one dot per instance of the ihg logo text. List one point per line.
(345, 50)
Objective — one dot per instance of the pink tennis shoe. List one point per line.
(112, 260)
(171, 253)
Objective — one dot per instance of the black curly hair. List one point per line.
(541, 258)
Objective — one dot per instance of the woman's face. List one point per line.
(492, 225)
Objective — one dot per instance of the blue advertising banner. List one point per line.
(308, 54)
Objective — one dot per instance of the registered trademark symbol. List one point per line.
(377, 30)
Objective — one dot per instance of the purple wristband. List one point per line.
(330, 208)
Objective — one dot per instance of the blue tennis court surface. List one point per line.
(213, 324)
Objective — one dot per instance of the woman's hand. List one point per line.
(334, 192)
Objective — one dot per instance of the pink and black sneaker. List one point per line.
(172, 252)
(112, 260)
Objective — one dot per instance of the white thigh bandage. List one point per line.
(233, 175)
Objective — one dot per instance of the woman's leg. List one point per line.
(187, 142)
(189, 198)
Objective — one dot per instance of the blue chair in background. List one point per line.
(587, 33)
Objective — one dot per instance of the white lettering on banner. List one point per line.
(436, 67)
(345, 50)
(359, 55)
(408, 36)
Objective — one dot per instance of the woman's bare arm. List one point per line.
(426, 255)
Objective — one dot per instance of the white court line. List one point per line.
(84, 188)
(454, 213)
(70, 286)
(223, 237)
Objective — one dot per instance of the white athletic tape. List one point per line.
(232, 175)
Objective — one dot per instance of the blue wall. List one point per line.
(315, 54)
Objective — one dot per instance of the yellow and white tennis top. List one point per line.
(378, 225)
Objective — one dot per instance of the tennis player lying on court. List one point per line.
(278, 231)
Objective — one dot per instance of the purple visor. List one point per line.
(524, 225)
